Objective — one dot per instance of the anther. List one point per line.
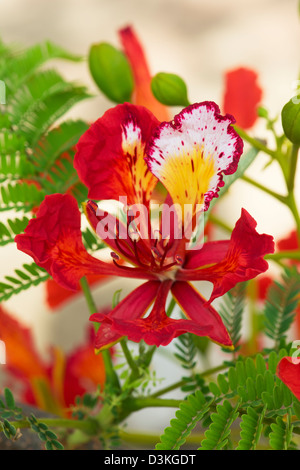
(178, 259)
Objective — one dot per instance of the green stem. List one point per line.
(291, 203)
(142, 438)
(129, 359)
(293, 254)
(88, 426)
(263, 188)
(293, 167)
(136, 404)
(220, 223)
(88, 295)
(254, 142)
(171, 307)
(149, 355)
(111, 376)
(180, 383)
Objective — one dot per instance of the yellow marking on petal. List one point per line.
(44, 397)
(58, 374)
(107, 346)
(187, 176)
(142, 180)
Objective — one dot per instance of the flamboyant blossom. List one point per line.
(50, 384)
(124, 154)
(288, 370)
(242, 96)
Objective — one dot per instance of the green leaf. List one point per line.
(22, 65)
(9, 398)
(187, 351)
(216, 437)
(32, 275)
(39, 121)
(20, 196)
(281, 304)
(190, 412)
(56, 142)
(13, 227)
(231, 311)
(252, 427)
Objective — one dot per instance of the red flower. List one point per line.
(242, 96)
(125, 153)
(288, 370)
(51, 384)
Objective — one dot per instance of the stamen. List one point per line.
(155, 252)
(166, 241)
(178, 261)
(114, 256)
(164, 254)
(158, 236)
(137, 256)
(134, 236)
(118, 241)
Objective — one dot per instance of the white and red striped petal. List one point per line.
(190, 154)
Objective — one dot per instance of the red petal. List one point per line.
(22, 358)
(288, 370)
(211, 252)
(204, 319)
(158, 329)
(242, 96)
(110, 155)
(53, 239)
(155, 328)
(264, 282)
(85, 371)
(243, 260)
(142, 77)
(131, 308)
(289, 243)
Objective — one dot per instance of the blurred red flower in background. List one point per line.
(52, 384)
(242, 96)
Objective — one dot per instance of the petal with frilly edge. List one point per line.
(288, 370)
(133, 307)
(243, 259)
(190, 154)
(53, 239)
(159, 330)
(110, 155)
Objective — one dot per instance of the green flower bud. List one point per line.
(262, 112)
(111, 71)
(169, 89)
(290, 117)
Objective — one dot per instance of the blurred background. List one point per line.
(197, 39)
